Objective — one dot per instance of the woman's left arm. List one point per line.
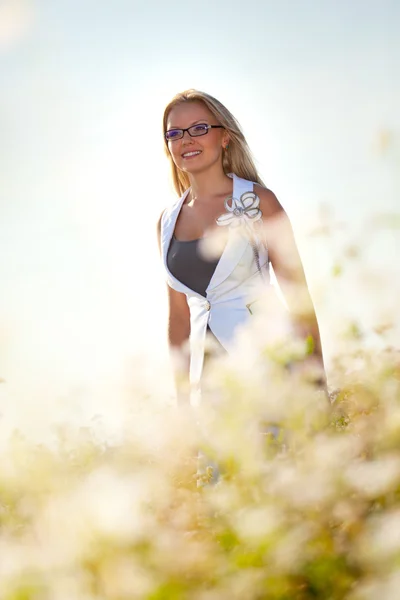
(288, 268)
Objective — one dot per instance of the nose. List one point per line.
(187, 136)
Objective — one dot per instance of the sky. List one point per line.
(83, 176)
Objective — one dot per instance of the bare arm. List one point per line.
(289, 272)
(178, 336)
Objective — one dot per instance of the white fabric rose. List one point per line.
(242, 212)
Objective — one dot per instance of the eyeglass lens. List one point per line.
(194, 131)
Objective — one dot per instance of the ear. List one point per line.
(225, 140)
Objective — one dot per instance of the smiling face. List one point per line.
(195, 154)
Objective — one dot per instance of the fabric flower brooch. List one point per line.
(241, 213)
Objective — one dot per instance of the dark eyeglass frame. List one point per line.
(182, 131)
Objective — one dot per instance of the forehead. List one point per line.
(185, 114)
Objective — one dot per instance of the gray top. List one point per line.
(189, 265)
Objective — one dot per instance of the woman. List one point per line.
(220, 190)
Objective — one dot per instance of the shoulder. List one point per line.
(166, 213)
(269, 203)
(161, 219)
(159, 223)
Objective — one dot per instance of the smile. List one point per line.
(191, 154)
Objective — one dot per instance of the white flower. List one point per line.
(241, 212)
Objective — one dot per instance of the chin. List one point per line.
(192, 168)
(198, 168)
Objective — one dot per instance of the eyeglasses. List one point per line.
(194, 131)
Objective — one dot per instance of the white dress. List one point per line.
(235, 284)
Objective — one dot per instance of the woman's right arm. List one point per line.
(178, 337)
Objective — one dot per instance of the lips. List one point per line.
(191, 154)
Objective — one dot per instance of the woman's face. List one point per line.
(195, 154)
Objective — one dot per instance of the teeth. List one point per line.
(191, 153)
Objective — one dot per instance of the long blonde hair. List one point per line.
(237, 158)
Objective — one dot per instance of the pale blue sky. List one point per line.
(83, 178)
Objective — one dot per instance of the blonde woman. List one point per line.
(220, 191)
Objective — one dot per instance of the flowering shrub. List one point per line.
(305, 503)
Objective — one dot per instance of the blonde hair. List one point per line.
(237, 158)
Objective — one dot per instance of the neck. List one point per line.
(209, 184)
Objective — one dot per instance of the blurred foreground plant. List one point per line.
(306, 503)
